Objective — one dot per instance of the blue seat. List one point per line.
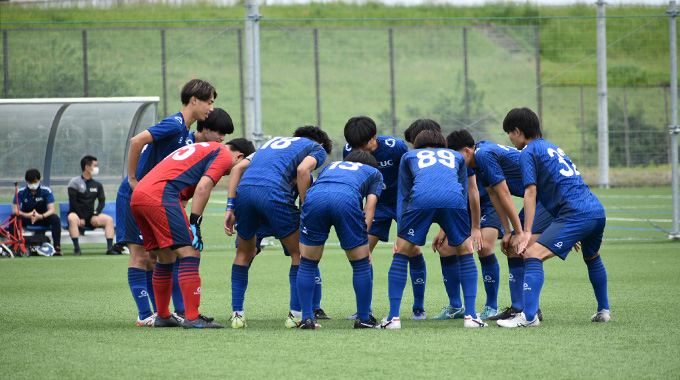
(64, 207)
(6, 211)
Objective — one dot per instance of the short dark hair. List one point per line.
(242, 145)
(316, 134)
(359, 131)
(523, 119)
(429, 139)
(218, 121)
(85, 161)
(460, 139)
(362, 157)
(418, 126)
(200, 89)
(32, 175)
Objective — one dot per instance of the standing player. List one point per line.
(432, 189)
(360, 134)
(551, 178)
(498, 168)
(146, 150)
(335, 200)
(262, 196)
(159, 212)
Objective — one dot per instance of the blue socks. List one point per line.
(396, 282)
(598, 277)
(109, 243)
(306, 282)
(137, 282)
(316, 300)
(450, 272)
(363, 286)
(516, 281)
(491, 273)
(468, 280)
(177, 298)
(534, 278)
(239, 284)
(76, 243)
(292, 279)
(418, 273)
(149, 288)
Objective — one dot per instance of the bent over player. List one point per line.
(550, 177)
(335, 200)
(157, 208)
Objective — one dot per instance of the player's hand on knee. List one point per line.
(476, 239)
(195, 225)
(577, 246)
(438, 240)
(81, 223)
(505, 243)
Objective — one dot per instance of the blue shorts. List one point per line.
(256, 206)
(263, 232)
(127, 230)
(415, 224)
(322, 210)
(490, 219)
(562, 234)
(542, 219)
(382, 221)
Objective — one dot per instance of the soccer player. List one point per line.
(214, 128)
(432, 188)
(361, 134)
(262, 195)
(158, 210)
(335, 200)
(36, 207)
(552, 179)
(498, 168)
(83, 191)
(146, 150)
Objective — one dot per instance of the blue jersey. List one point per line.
(432, 178)
(496, 163)
(559, 186)
(349, 177)
(275, 164)
(168, 135)
(38, 202)
(388, 154)
(190, 138)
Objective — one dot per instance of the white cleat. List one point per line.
(146, 322)
(603, 315)
(519, 320)
(471, 323)
(394, 324)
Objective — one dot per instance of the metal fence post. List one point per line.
(539, 86)
(393, 110)
(164, 74)
(674, 129)
(602, 111)
(253, 84)
(467, 84)
(240, 82)
(86, 87)
(5, 59)
(316, 77)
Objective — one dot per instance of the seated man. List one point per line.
(37, 207)
(82, 192)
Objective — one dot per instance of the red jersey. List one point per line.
(182, 169)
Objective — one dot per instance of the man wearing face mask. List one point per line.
(37, 207)
(82, 193)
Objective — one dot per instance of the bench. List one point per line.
(87, 235)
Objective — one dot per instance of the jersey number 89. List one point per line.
(427, 158)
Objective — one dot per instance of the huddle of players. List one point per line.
(428, 184)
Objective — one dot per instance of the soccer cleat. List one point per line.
(237, 321)
(179, 315)
(115, 250)
(539, 314)
(393, 324)
(77, 252)
(418, 314)
(518, 321)
(507, 313)
(146, 322)
(354, 316)
(488, 312)
(372, 323)
(201, 323)
(308, 324)
(603, 315)
(473, 322)
(170, 321)
(450, 312)
(292, 322)
(320, 314)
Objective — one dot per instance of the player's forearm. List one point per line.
(475, 209)
(369, 210)
(529, 207)
(201, 196)
(508, 206)
(303, 183)
(235, 177)
(136, 147)
(101, 202)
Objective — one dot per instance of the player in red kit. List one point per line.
(191, 171)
